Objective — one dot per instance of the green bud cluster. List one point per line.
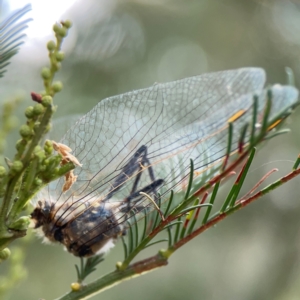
(21, 144)
(38, 109)
(21, 224)
(56, 27)
(56, 57)
(50, 166)
(60, 56)
(38, 182)
(4, 254)
(57, 86)
(29, 112)
(32, 166)
(25, 131)
(61, 30)
(36, 127)
(48, 147)
(51, 45)
(67, 24)
(52, 162)
(37, 148)
(46, 73)
(47, 100)
(39, 153)
(56, 66)
(16, 167)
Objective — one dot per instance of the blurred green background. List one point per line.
(117, 46)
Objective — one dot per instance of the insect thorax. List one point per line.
(84, 232)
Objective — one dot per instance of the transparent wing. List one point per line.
(174, 121)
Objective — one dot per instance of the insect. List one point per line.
(142, 141)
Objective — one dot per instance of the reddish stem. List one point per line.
(239, 204)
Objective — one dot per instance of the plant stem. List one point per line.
(240, 204)
(116, 277)
(17, 206)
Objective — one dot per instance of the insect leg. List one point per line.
(144, 163)
(136, 196)
(135, 165)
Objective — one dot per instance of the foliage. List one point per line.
(191, 217)
(34, 163)
(11, 37)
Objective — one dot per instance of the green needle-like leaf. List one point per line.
(187, 193)
(11, 37)
(297, 163)
(254, 118)
(156, 242)
(125, 247)
(212, 201)
(240, 181)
